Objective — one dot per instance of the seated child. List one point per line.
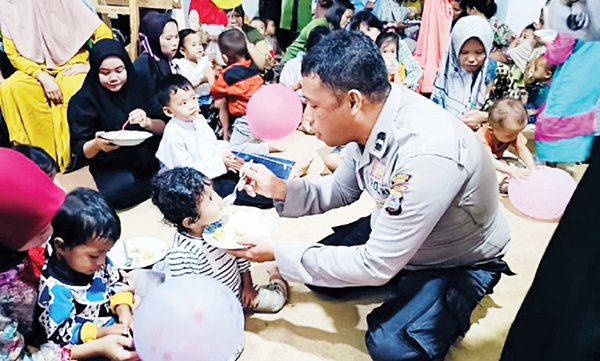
(236, 84)
(506, 119)
(402, 66)
(194, 64)
(272, 39)
(187, 200)
(82, 296)
(259, 25)
(188, 141)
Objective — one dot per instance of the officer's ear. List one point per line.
(355, 99)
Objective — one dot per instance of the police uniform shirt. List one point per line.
(436, 198)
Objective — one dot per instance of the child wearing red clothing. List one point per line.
(236, 84)
(506, 119)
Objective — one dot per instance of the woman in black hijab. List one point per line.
(160, 47)
(111, 95)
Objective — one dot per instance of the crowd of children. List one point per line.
(190, 89)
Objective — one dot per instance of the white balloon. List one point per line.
(189, 318)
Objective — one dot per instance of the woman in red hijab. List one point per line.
(28, 202)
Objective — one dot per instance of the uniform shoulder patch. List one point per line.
(393, 204)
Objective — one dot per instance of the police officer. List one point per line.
(436, 235)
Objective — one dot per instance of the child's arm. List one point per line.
(525, 155)
(514, 172)
(125, 317)
(412, 67)
(248, 294)
(199, 81)
(112, 347)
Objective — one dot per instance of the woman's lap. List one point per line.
(31, 120)
(121, 188)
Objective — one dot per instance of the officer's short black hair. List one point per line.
(346, 60)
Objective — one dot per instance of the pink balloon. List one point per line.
(544, 194)
(273, 112)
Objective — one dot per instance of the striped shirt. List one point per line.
(192, 255)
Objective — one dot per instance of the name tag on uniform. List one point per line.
(378, 169)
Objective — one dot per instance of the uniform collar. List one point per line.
(381, 133)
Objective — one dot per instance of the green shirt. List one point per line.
(303, 13)
(300, 42)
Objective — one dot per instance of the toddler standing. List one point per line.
(236, 84)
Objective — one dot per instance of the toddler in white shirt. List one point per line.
(194, 64)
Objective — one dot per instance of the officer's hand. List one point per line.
(258, 179)
(261, 249)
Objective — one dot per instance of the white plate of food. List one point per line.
(142, 252)
(127, 138)
(239, 224)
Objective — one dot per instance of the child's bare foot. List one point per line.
(299, 169)
(275, 148)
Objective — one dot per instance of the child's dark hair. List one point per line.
(530, 27)
(258, 18)
(315, 36)
(169, 85)
(85, 215)
(507, 108)
(367, 18)
(183, 33)
(386, 37)
(39, 157)
(177, 192)
(232, 43)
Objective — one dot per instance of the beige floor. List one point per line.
(313, 328)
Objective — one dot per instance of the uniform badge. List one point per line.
(399, 185)
(392, 203)
(378, 169)
(400, 178)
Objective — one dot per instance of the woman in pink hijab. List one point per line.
(45, 41)
(28, 202)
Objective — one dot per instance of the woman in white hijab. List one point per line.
(460, 82)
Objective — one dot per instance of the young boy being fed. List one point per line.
(187, 200)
